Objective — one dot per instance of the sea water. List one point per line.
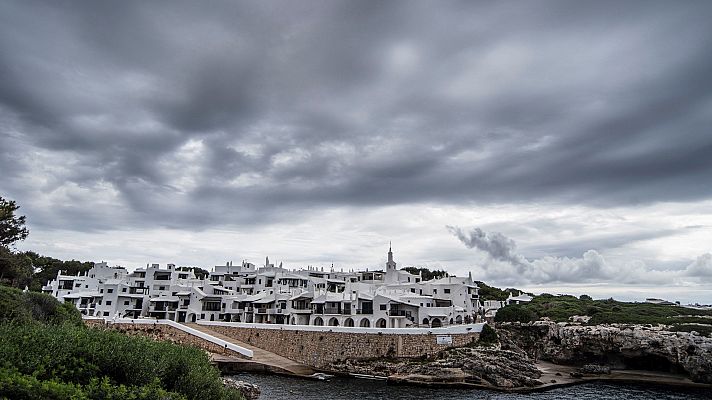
(287, 388)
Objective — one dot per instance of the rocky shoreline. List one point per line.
(543, 355)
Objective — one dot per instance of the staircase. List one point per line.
(276, 362)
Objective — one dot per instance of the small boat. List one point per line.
(371, 377)
(321, 376)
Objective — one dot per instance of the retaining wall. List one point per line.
(319, 348)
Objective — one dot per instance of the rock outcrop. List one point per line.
(486, 366)
(249, 391)
(617, 346)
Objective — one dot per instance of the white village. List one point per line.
(269, 294)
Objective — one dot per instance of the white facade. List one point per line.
(273, 295)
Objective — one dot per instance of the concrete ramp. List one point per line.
(261, 359)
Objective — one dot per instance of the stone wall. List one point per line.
(319, 349)
(163, 332)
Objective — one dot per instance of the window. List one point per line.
(86, 286)
(126, 303)
(383, 307)
(447, 290)
(109, 290)
(161, 288)
(123, 290)
(108, 302)
(106, 313)
(435, 291)
(101, 290)
(412, 290)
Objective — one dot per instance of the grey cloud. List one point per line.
(382, 103)
(495, 244)
(506, 266)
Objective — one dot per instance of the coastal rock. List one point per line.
(595, 369)
(249, 391)
(478, 365)
(618, 346)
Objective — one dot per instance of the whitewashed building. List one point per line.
(274, 295)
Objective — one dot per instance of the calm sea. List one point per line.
(284, 388)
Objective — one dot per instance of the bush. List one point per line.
(515, 313)
(488, 335)
(77, 355)
(17, 386)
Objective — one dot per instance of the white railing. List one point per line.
(446, 330)
(205, 336)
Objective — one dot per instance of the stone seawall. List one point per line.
(163, 332)
(318, 349)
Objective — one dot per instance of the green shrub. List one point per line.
(17, 386)
(488, 335)
(31, 306)
(75, 354)
(515, 313)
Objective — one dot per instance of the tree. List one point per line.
(12, 226)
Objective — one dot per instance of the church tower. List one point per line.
(390, 265)
(391, 272)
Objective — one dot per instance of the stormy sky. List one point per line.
(551, 145)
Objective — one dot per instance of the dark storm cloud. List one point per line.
(188, 114)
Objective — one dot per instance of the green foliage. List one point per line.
(96, 359)
(14, 385)
(515, 313)
(488, 335)
(585, 297)
(492, 293)
(20, 307)
(703, 330)
(199, 272)
(15, 268)
(427, 274)
(12, 226)
(609, 311)
(47, 268)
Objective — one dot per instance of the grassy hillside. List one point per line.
(560, 308)
(47, 353)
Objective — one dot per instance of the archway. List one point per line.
(333, 321)
(294, 321)
(436, 323)
(426, 322)
(349, 322)
(192, 317)
(381, 323)
(458, 319)
(318, 321)
(365, 323)
(451, 321)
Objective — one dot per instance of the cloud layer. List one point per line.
(506, 265)
(189, 116)
(257, 117)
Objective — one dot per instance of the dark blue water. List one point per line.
(285, 388)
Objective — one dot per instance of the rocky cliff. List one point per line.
(484, 366)
(617, 346)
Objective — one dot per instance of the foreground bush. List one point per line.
(77, 355)
(16, 386)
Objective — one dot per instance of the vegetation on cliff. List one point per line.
(561, 308)
(47, 353)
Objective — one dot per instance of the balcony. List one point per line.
(399, 313)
